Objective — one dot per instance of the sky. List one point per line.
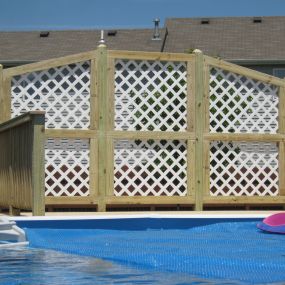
(89, 14)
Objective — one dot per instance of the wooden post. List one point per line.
(110, 127)
(93, 163)
(5, 96)
(1, 91)
(2, 112)
(199, 128)
(190, 127)
(102, 124)
(206, 130)
(281, 130)
(38, 162)
(14, 211)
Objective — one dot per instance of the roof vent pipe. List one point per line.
(156, 35)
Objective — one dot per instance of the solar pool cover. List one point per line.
(234, 251)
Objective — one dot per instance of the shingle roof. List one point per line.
(29, 46)
(231, 38)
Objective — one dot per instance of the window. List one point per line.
(279, 72)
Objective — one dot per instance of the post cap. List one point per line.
(197, 51)
(102, 40)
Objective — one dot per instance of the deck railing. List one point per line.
(22, 163)
(130, 128)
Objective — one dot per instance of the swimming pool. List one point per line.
(206, 250)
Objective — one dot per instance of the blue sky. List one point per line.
(85, 14)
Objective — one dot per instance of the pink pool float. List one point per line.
(273, 224)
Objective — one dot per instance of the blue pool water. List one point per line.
(154, 252)
(47, 267)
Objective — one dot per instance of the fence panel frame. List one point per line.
(249, 137)
(101, 133)
(188, 135)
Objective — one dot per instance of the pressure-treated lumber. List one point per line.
(94, 108)
(244, 137)
(191, 168)
(46, 64)
(67, 200)
(269, 79)
(102, 91)
(111, 92)
(250, 200)
(93, 168)
(190, 96)
(22, 163)
(140, 55)
(199, 128)
(281, 168)
(281, 130)
(5, 96)
(154, 200)
(155, 135)
(102, 135)
(1, 93)
(83, 134)
(38, 165)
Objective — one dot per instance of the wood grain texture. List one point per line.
(199, 129)
(244, 137)
(21, 163)
(269, 79)
(38, 166)
(236, 200)
(140, 55)
(102, 91)
(46, 64)
(5, 97)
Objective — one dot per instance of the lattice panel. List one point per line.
(243, 168)
(67, 167)
(63, 92)
(150, 95)
(150, 168)
(239, 104)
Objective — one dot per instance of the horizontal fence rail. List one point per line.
(22, 163)
(131, 128)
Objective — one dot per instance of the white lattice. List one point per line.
(67, 167)
(239, 104)
(150, 168)
(63, 92)
(243, 168)
(150, 95)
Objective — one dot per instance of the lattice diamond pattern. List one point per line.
(243, 168)
(62, 92)
(150, 95)
(239, 104)
(150, 168)
(67, 167)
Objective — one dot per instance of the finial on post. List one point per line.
(102, 41)
(197, 51)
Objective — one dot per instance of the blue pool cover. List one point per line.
(234, 251)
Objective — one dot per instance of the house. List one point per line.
(254, 42)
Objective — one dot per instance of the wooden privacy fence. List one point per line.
(153, 128)
(22, 163)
